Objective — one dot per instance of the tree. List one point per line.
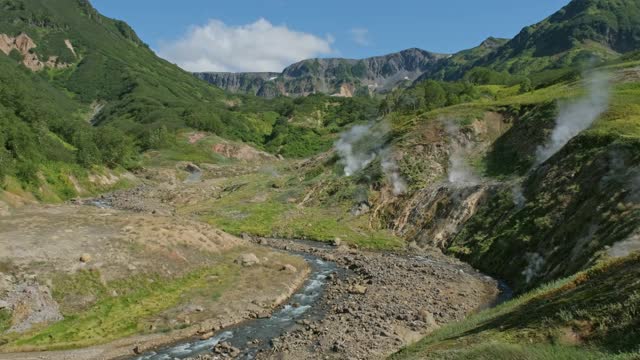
(525, 85)
(434, 95)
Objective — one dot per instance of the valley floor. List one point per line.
(136, 269)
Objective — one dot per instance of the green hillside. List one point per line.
(575, 36)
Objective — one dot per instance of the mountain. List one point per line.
(340, 77)
(244, 83)
(582, 30)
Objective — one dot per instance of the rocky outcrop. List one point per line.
(31, 304)
(240, 152)
(339, 77)
(25, 45)
(238, 82)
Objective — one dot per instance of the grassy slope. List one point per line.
(579, 203)
(594, 171)
(266, 205)
(592, 315)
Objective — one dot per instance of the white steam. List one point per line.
(535, 264)
(392, 172)
(363, 144)
(355, 150)
(460, 173)
(517, 194)
(575, 117)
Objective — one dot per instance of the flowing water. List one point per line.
(260, 331)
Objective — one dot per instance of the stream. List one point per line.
(255, 335)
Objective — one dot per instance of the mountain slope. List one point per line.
(102, 60)
(342, 77)
(582, 32)
(573, 36)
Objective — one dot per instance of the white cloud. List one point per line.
(260, 46)
(360, 36)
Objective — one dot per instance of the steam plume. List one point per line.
(460, 173)
(361, 145)
(576, 117)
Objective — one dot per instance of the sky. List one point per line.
(268, 35)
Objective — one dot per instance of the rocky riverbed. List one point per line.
(382, 302)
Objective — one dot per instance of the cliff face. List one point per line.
(339, 77)
(238, 82)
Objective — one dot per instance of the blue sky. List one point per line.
(345, 28)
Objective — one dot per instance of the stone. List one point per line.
(207, 335)
(137, 350)
(358, 289)
(427, 317)
(337, 242)
(192, 168)
(85, 258)
(247, 260)
(289, 268)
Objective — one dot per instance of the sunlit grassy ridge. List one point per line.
(592, 315)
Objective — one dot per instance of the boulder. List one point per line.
(427, 318)
(192, 168)
(137, 350)
(289, 268)
(85, 258)
(247, 260)
(207, 335)
(227, 349)
(358, 289)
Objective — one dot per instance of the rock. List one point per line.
(192, 168)
(207, 335)
(289, 268)
(337, 242)
(247, 260)
(358, 289)
(32, 305)
(226, 349)
(4, 305)
(427, 317)
(85, 258)
(246, 237)
(137, 350)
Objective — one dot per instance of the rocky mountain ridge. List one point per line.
(333, 76)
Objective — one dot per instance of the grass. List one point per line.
(5, 320)
(257, 208)
(59, 182)
(111, 318)
(591, 315)
(182, 150)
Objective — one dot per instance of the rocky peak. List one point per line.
(492, 43)
(333, 76)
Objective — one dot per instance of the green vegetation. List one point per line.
(309, 125)
(5, 320)
(592, 315)
(138, 300)
(260, 205)
(141, 102)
